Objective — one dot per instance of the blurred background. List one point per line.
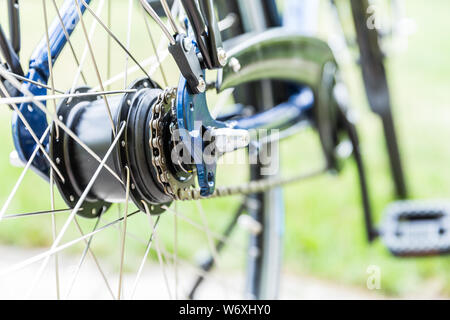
(325, 243)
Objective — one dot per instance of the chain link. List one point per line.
(172, 186)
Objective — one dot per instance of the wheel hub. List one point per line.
(143, 149)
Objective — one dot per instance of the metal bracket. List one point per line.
(194, 120)
(205, 27)
(184, 53)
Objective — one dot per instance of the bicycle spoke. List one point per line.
(60, 248)
(155, 49)
(124, 231)
(130, 12)
(78, 205)
(69, 42)
(18, 100)
(87, 249)
(211, 245)
(108, 43)
(206, 275)
(33, 214)
(94, 62)
(52, 204)
(196, 225)
(50, 62)
(97, 18)
(198, 271)
(39, 84)
(86, 49)
(209, 264)
(149, 61)
(158, 251)
(158, 20)
(175, 249)
(169, 16)
(83, 256)
(144, 259)
(22, 175)
(168, 255)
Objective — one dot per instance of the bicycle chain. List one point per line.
(172, 186)
(185, 191)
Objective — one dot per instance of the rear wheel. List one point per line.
(98, 157)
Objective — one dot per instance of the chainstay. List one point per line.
(189, 193)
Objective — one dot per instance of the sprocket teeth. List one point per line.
(170, 184)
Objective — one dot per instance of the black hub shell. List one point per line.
(88, 119)
(69, 112)
(135, 152)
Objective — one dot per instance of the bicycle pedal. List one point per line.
(417, 228)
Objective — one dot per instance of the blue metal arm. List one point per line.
(297, 108)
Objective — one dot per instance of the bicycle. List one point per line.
(149, 144)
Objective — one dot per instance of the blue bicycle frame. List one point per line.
(39, 72)
(299, 17)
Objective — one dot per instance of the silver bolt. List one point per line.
(235, 65)
(223, 57)
(228, 140)
(201, 87)
(187, 44)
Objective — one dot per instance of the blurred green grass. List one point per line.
(324, 227)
